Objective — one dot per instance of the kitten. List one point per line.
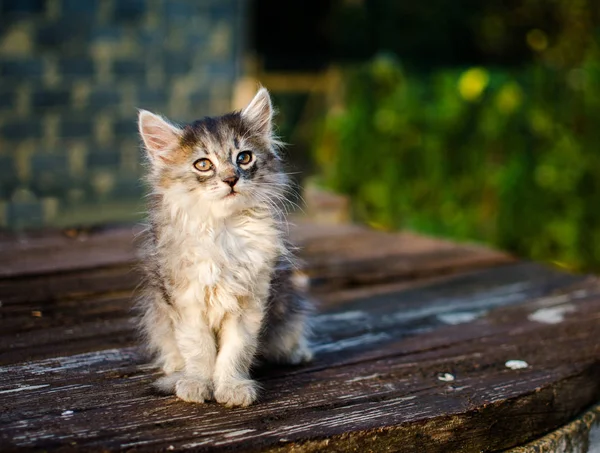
(218, 291)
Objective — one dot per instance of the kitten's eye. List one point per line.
(203, 165)
(243, 158)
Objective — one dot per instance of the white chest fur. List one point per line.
(212, 266)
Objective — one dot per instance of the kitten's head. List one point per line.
(216, 166)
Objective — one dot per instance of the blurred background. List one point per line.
(467, 119)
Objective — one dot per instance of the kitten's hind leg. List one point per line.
(168, 383)
(286, 341)
(157, 326)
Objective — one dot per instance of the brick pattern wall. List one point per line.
(73, 73)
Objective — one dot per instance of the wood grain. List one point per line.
(376, 378)
(412, 339)
(69, 250)
(90, 322)
(336, 255)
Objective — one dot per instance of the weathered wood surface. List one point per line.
(400, 315)
(582, 435)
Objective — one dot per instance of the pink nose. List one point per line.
(231, 180)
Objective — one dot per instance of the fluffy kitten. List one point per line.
(218, 292)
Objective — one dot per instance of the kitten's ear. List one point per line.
(160, 137)
(259, 112)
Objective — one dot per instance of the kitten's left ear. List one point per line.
(259, 113)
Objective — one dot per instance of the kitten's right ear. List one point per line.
(160, 137)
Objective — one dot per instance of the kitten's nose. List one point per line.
(231, 180)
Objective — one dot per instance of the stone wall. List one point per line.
(73, 73)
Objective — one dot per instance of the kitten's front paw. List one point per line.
(193, 390)
(236, 392)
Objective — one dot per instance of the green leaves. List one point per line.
(484, 154)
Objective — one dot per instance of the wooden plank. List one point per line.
(40, 289)
(375, 382)
(88, 309)
(37, 253)
(397, 311)
(395, 390)
(337, 255)
(93, 322)
(28, 253)
(367, 257)
(76, 271)
(580, 435)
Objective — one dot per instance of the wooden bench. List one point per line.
(421, 345)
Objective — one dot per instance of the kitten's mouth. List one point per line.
(231, 194)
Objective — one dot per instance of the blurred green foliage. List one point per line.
(509, 156)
